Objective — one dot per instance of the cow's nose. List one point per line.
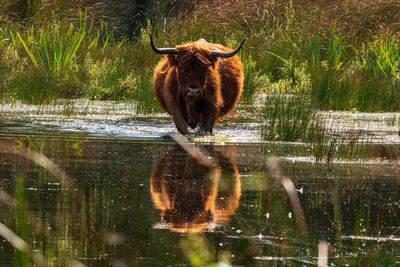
(194, 92)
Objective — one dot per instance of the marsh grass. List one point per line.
(254, 80)
(292, 118)
(54, 48)
(144, 96)
(81, 60)
(50, 50)
(288, 118)
(35, 87)
(330, 90)
(328, 146)
(381, 58)
(366, 81)
(281, 55)
(335, 90)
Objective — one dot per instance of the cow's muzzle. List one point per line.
(193, 92)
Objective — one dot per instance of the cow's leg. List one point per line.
(176, 113)
(193, 109)
(180, 122)
(210, 115)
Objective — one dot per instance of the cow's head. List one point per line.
(193, 62)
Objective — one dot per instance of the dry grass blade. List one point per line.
(14, 239)
(273, 167)
(45, 162)
(201, 156)
(32, 220)
(323, 248)
(20, 244)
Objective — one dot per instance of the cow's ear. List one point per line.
(213, 60)
(173, 60)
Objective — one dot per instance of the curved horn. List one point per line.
(162, 50)
(228, 54)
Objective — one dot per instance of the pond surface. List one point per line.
(110, 190)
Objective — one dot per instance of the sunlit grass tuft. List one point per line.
(254, 80)
(292, 118)
(289, 118)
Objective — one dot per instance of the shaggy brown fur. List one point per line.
(197, 88)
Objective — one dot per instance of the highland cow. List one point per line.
(197, 83)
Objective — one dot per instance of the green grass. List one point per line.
(143, 96)
(292, 118)
(288, 118)
(45, 64)
(254, 80)
(34, 87)
(83, 56)
(52, 51)
(365, 81)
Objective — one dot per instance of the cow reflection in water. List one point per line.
(191, 198)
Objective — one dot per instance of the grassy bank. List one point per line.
(344, 55)
(332, 55)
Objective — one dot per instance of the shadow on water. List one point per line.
(149, 203)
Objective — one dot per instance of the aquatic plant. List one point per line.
(335, 50)
(292, 118)
(34, 87)
(273, 33)
(144, 96)
(381, 58)
(51, 51)
(254, 80)
(364, 82)
(289, 118)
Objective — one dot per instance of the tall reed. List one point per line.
(50, 50)
(382, 58)
(54, 49)
(254, 80)
(292, 118)
(335, 50)
(365, 82)
(289, 118)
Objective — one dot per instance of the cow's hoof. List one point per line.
(192, 125)
(205, 131)
(167, 137)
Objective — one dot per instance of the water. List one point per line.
(130, 197)
(107, 119)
